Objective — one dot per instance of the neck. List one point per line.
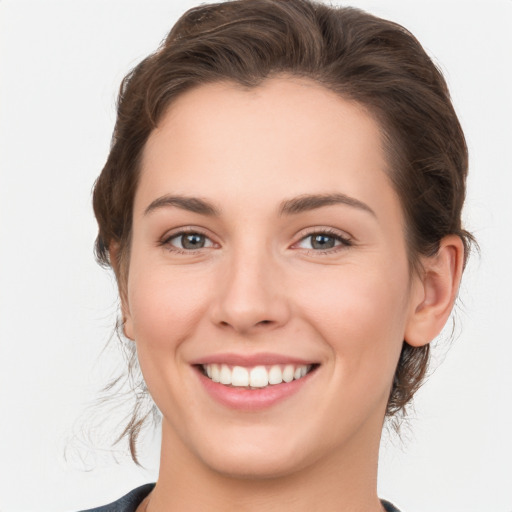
(346, 481)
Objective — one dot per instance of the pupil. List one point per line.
(322, 242)
(192, 241)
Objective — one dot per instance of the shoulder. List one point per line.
(389, 507)
(128, 503)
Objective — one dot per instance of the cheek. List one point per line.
(165, 309)
(165, 305)
(361, 315)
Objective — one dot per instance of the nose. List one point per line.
(251, 295)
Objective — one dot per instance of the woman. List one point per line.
(282, 209)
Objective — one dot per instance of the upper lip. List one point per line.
(262, 359)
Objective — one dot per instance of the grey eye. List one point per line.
(190, 241)
(322, 241)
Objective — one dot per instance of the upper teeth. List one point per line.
(255, 377)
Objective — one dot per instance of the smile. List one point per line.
(255, 377)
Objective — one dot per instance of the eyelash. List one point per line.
(166, 242)
(344, 242)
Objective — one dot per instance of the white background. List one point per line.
(60, 66)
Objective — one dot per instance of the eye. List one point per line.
(323, 241)
(188, 241)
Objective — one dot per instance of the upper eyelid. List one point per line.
(184, 230)
(318, 230)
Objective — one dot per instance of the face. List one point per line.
(268, 245)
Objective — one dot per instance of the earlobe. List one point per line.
(128, 328)
(435, 292)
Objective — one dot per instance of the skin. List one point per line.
(259, 285)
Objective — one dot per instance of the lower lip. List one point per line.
(252, 399)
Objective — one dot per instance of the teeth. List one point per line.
(240, 376)
(255, 377)
(288, 373)
(275, 375)
(225, 374)
(258, 377)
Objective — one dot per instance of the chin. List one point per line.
(239, 465)
(255, 456)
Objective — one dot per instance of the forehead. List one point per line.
(285, 137)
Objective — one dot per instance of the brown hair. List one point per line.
(372, 61)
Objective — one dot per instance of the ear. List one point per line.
(121, 279)
(434, 292)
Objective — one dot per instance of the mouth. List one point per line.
(254, 382)
(255, 377)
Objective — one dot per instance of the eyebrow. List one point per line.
(192, 204)
(303, 203)
(309, 202)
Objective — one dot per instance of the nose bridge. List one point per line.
(251, 295)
